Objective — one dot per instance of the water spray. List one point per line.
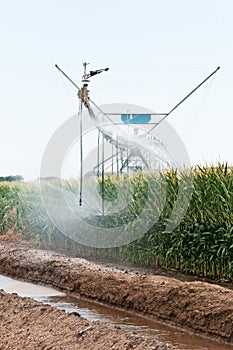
(135, 147)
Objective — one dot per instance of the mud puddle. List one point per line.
(98, 312)
(27, 289)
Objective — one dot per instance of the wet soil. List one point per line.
(197, 306)
(94, 311)
(28, 324)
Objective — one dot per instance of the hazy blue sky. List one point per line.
(156, 51)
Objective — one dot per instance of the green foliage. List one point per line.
(202, 244)
(11, 178)
(8, 206)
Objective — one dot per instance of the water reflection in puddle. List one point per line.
(133, 323)
(98, 312)
(26, 289)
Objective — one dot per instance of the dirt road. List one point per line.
(199, 306)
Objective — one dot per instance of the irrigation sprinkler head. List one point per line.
(87, 76)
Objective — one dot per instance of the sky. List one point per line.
(157, 51)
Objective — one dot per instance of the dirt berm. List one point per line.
(198, 306)
(30, 325)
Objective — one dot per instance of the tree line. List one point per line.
(11, 178)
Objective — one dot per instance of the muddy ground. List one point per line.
(197, 306)
(27, 324)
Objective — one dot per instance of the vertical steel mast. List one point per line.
(83, 95)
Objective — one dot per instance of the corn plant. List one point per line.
(201, 245)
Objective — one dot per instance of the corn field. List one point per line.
(201, 245)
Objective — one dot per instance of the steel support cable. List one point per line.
(116, 143)
(101, 129)
(200, 104)
(185, 98)
(93, 116)
(101, 111)
(109, 119)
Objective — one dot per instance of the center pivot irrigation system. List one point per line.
(134, 146)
